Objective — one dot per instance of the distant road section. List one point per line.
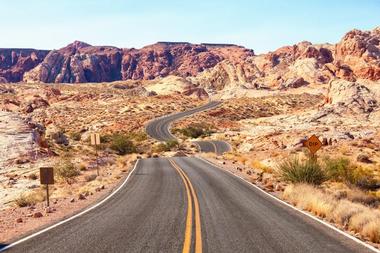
(218, 147)
(159, 128)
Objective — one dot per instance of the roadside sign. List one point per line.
(46, 178)
(95, 139)
(313, 144)
(46, 175)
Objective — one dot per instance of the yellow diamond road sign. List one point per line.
(313, 144)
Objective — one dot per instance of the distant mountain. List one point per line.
(213, 66)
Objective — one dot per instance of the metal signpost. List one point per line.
(46, 178)
(95, 141)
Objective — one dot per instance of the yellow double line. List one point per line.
(191, 196)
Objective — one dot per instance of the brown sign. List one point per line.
(95, 139)
(46, 175)
(313, 144)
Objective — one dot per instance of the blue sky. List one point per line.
(260, 25)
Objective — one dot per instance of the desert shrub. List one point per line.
(30, 198)
(76, 136)
(371, 230)
(338, 169)
(66, 170)
(297, 171)
(60, 138)
(308, 197)
(166, 146)
(90, 178)
(138, 136)
(33, 176)
(122, 144)
(342, 170)
(82, 167)
(344, 210)
(196, 130)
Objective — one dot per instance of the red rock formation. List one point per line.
(79, 62)
(359, 51)
(15, 62)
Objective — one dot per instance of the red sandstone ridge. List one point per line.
(14, 62)
(357, 55)
(80, 62)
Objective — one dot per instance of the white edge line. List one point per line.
(301, 211)
(72, 217)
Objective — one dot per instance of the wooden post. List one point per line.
(47, 195)
(96, 154)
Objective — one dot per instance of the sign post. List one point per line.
(95, 141)
(46, 178)
(313, 144)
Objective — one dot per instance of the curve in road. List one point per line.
(159, 129)
(215, 146)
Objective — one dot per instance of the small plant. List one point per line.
(196, 130)
(90, 178)
(30, 198)
(122, 145)
(296, 171)
(166, 146)
(76, 136)
(342, 170)
(66, 170)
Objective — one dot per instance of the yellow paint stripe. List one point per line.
(198, 230)
(189, 218)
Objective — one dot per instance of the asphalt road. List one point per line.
(152, 214)
(185, 204)
(159, 128)
(218, 147)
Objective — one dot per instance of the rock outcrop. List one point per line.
(359, 53)
(78, 63)
(15, 62)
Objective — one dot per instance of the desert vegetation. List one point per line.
(354, 216)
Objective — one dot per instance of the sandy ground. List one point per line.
(16, 142)
(17, 222)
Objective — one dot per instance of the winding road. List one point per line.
(187, 204)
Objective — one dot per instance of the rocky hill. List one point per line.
(211, 66)
(80, 62)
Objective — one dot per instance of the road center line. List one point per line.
(198, 231)
(189, 218)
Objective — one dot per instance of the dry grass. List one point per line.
(372, 231)
(357, 217)
(30, 198)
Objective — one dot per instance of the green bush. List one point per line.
(66, 170)
(166, 146)
(338, 169)
(122, 145)
(342, 170)
(296, 171)
(196, 130)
